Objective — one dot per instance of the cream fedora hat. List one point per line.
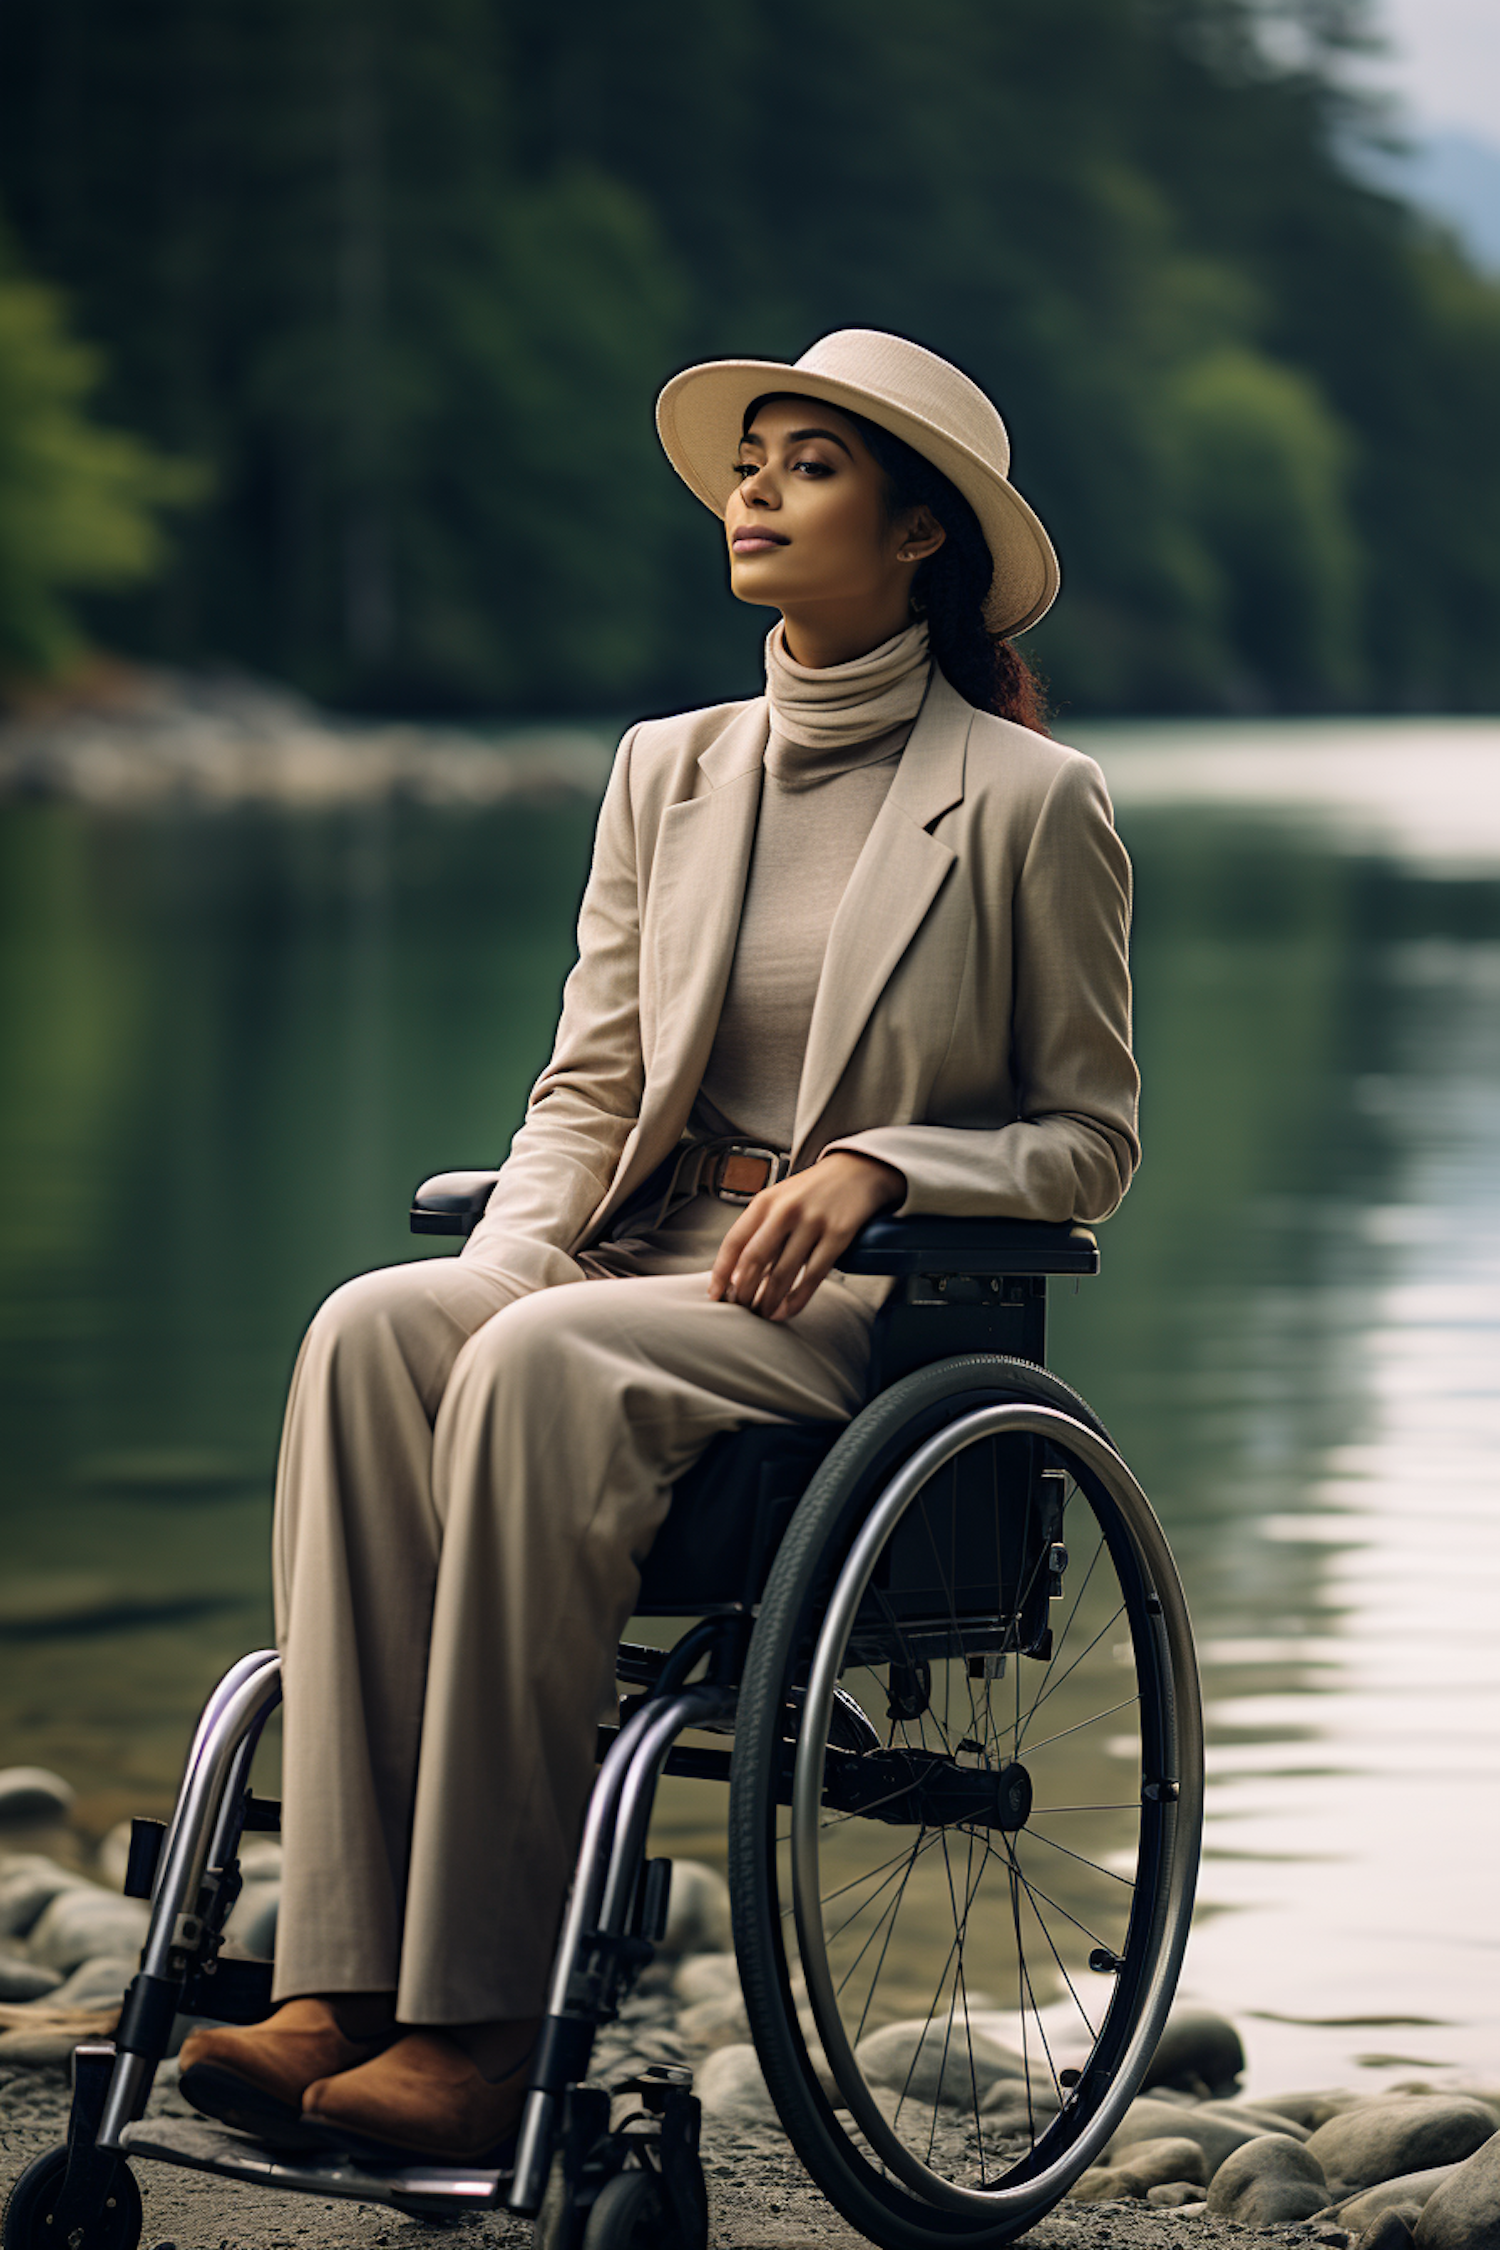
(907, 390)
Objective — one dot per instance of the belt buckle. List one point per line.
(776, 1161)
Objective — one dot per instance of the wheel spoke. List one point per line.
(880, 1964)
(1077, 1728)
(1047, 1934)
(1084, 1928)
(1047, 1684)
(1079, 1856)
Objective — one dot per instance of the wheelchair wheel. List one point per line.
(33, 2200)
(966, 1805)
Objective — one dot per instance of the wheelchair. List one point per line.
(940, 1655)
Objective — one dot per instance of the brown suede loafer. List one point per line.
(422, 2097)
(254, 2078)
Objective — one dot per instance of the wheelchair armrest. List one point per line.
(988, 1246)
(451, 1202)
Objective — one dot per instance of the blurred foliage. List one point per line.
(78, 504)
(410, 276)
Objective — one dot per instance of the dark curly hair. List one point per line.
(950, 587)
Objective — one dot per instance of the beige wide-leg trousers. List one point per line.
(470, 1471)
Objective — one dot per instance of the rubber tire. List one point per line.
(630, 2213)
(819, 1536)
(34, 2198)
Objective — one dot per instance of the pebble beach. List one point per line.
(1196, 2160)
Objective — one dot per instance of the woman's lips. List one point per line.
(755, 542)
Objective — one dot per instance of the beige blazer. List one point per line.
(972, 1021)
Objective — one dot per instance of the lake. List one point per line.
(230, 1043)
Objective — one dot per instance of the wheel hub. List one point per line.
(927, 1789)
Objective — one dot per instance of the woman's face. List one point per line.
(807, 525)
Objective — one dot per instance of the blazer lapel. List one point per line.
(696, 891)
(896, 878)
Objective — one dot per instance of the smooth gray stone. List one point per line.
(1313, 2108)
(1159, 2163)
(113, 1856)
(1149, 2120)
(21, 1981)
(730, 2086)
(1464, 2213)
(99, 1983)
(37, 2050)
(1268, 2182)
(253, 1922)
(32, 1793)
(705, 1976)
(930, 2062)
(1008, 2107)
(28, 1885)
(719, 2021)
(1165, 2171)
(1357, 2212)
(1482, 2090)
(1101, 2183)
(697, 1910)
(1176, 2195)
(1393, 2229)
(1199, 2051)
(1400, 2133)
(1252, 2113)
(81, 1924)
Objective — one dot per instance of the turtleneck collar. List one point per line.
(833, 708)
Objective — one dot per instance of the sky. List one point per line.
(1446, 62)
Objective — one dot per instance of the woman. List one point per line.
(855, 945)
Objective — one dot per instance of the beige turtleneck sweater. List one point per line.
(836, 739)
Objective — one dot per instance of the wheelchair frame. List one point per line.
(967, 1293)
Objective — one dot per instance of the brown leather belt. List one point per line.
(734, 1171)
(737, 1172)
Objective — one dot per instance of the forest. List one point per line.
(330, 332)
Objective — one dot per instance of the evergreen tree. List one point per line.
(79, 504)
(409, 278)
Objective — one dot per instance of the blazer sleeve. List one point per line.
(1073, 1146)
(588, 1098)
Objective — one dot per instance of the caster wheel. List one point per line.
(33, 2200)
(630, 2213)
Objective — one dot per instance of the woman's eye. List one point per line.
(743, 469)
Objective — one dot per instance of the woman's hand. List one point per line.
(784, 1242)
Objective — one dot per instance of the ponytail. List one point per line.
(950, 587)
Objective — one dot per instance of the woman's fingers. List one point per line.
(785, 1242)
(732, 1245)
(784, 1263)
(814, 1273)
(782, 1227)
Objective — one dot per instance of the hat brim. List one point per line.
(700, 418)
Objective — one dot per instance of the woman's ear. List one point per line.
(923, 536)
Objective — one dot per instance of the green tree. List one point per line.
(409, 276)
(1267, 467)
(80, 505)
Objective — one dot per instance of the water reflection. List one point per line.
(231, 1045)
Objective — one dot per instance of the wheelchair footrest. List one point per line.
(202, 2147)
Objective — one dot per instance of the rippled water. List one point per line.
(228, 1047)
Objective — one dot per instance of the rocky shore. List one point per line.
(131, 740)
(1194, 2163)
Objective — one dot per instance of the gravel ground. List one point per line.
(759, 2199)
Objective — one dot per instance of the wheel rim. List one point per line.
(964, 1829)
